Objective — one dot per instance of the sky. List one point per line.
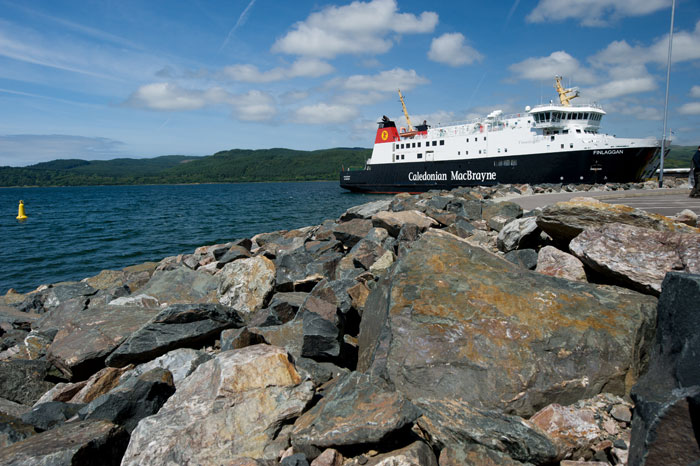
(129, 78)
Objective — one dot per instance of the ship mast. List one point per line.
(564, 96)
(405, 112)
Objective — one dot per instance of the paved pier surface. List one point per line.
(666, 202)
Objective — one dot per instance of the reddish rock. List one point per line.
(553, 262)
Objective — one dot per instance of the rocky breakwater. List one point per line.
(447, 328)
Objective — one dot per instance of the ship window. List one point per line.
(414, 145)
(505, 150)
(479, 152)
(435, 143)
(552, 138)
(419, 144)
(442, 142)
(499, 150)
(484, 138)
(537, 117)
(562, 146)
(585, 116)
(566, 131)
(578, 131)
(467, 139)
(459, 153)
(466, 152)
(571, 146)
(402, 157)
(420, 156)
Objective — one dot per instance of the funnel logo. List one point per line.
(385, 135)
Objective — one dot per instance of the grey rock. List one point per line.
(667, 397)
(13, 430)
(246, 284)
(239, 338)
(394, 221)
(86, 442)
(637, 258)
(13, 409)
(518, 234)
(24, 381)
(231, 406)
(54, 295)
(358, 409)
(133, 400)
(525, 258)
(555, 263)
(46, 416)
(452, 320)
(454, 423)
(352, 231)
(365, 211)
(176, 326)
(469, 209)
(180, 362)
(181, 285)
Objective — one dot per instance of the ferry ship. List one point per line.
(551, 143)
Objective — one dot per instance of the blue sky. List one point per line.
(131, 78)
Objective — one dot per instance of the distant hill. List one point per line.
(237, 165)
(679, 156)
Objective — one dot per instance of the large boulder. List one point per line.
(180, 362)
(518, 234)
(181, 285)
(246, 283)
(133, 400)
(563, 221)
(231, 406)
(394, 221)
(637, 257)
(667, 398)
(357, 410)
(551, 261)
(51, 296)
(453, 320)
(24, 381)
(457, 425)
(352, 231)
(366, 210)
(86, 442)
(86, 339)
(176, 326)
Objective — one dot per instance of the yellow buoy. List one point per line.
(20, 212)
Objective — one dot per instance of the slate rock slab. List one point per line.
(231, 406)
(520, 233)
(49, 415)
(246, 283)
(133, 400)
(393, 221)
(667, 397)
(456, 424)
(24, 381)
(176, 326)
(417, 453)
(556, 263)
(455, 321)
(635, 257)
(525, 258)
(366, 210)
(88, 337)
(357, 409)
(563, 221)
(82, 442)
(181, 285)
(180, 362)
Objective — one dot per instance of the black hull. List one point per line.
(586, 166)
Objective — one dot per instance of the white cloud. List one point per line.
(171, 97)
(557, 63)
(691, 108)
(695, 91)
(385, 81)
(251, 106)
(323, 113)
(358, 28)
(34, 148)
(306, 67)
(639, 109)
(686, 47)
(450, 49)
(620, 87)
(593, 12)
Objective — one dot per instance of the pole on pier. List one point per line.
(668, 79)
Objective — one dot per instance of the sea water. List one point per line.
(75, 232)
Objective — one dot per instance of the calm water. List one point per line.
(76, 232)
